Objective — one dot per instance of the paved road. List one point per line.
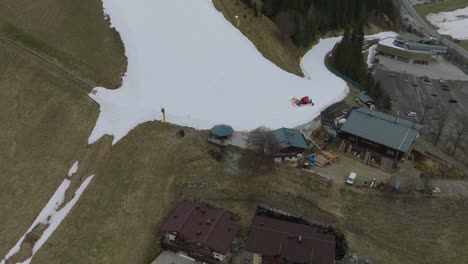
(429, 30)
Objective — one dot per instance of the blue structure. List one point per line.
(222, 131)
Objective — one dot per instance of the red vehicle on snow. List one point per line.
(303, 101)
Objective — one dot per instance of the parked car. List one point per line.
(445, 88)
(411, 114)
(351, 178)
(453, 101)
(434, 94)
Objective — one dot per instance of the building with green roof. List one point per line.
(289, 142)
(378, 136)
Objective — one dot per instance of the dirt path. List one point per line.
(45, 62)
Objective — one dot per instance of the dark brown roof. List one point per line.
(199, 223)
(297, 243)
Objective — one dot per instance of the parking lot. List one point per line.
(434, 105)
(439, 68)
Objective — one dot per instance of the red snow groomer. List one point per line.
(303, 101)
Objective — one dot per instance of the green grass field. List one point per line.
(74, 33)
(46, 120)
(442, 6)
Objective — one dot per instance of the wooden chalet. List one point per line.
(289, 143)
(199, 232)
(377, 138)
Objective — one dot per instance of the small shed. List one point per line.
(221, 132)
(290, 142)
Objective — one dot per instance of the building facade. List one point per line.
(377, 138)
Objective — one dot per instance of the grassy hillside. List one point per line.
(442, 6)
(264, 34)
(45, 121)
(151, 170)
(74, 33)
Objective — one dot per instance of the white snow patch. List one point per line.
(454, 23)
(73, 169)
(50, 216)
(184, 56)
(385, 38)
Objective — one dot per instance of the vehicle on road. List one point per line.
(434, 94)
(453, 101)
(411, 114)
(445, 89)
(351, 178)
(406, 81)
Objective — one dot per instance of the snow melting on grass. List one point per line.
(184, 56)
(50, 216)
(73, 169)
(454, 23)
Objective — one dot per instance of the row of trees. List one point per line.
(349, 60)
(304, 20)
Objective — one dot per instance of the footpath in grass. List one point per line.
(74, 33)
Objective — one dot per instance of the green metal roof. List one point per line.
(222, 130)
(287, 137)
(381, 128)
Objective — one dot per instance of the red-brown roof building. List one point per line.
(200, 232)
(276, 241)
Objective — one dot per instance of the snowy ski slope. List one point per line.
(184, 56)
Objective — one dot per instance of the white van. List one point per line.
(351, 178)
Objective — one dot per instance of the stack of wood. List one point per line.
(321, 161)
(330, 156)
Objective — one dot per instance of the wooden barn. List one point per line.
(199, 232)
(377, 138)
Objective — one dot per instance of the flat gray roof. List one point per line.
(387, 130)
(425, 47)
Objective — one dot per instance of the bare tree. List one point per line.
(261, 141)
(261, 145)
(460, 132)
